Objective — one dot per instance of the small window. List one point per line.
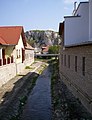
(68, 61)
(62, 59)
(75, 63)
(83, 66)
(65, 60)
(17, 53)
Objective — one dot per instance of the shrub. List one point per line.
(53, 49)
(27, 67)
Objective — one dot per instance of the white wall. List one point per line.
(29, 58)
(77, 28)
(20, 43)
(0, 53)
(82, 9)
(90, 20)
(19, 46)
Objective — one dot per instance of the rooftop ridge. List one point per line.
(11, 26)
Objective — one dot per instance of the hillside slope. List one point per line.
(40, 38)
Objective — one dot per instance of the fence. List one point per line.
(6, 61)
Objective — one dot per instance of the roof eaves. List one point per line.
(29, 48)
(79, 44)
(8, 44)
(72, 16)
(23, 37)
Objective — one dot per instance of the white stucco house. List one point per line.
(79, 25)
(15, 52)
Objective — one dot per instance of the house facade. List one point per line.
(29, 55)
(13, 50)
(76, 53)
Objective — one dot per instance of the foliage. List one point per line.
(53, 49)
(31, 42)
(27, 67)
(38, 30)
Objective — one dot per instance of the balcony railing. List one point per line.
(9, 60)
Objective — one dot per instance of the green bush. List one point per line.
(53, 49)
(27, 67)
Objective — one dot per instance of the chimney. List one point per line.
(74, 8)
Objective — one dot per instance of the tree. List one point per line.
(53, 49)
(31, 42)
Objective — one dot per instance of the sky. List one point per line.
(35, 14)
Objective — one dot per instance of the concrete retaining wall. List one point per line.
(7, 72)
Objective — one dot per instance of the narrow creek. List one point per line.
(38, 105)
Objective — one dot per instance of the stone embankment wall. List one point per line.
(7, 72)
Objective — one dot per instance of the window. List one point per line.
(17, 53)
(75, 63)
(65, 60)
(83, 66)
(62, 59)
(68, 61)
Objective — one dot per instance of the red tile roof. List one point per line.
(10, 35)
(45, 49)
(2, 41)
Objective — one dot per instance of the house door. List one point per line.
(23, 55)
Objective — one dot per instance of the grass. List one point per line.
(41, 59)
(28, 67)
(42, 68)
(54, 65)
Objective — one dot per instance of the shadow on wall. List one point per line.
(13, 101)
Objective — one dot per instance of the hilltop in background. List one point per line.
(42, 38)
